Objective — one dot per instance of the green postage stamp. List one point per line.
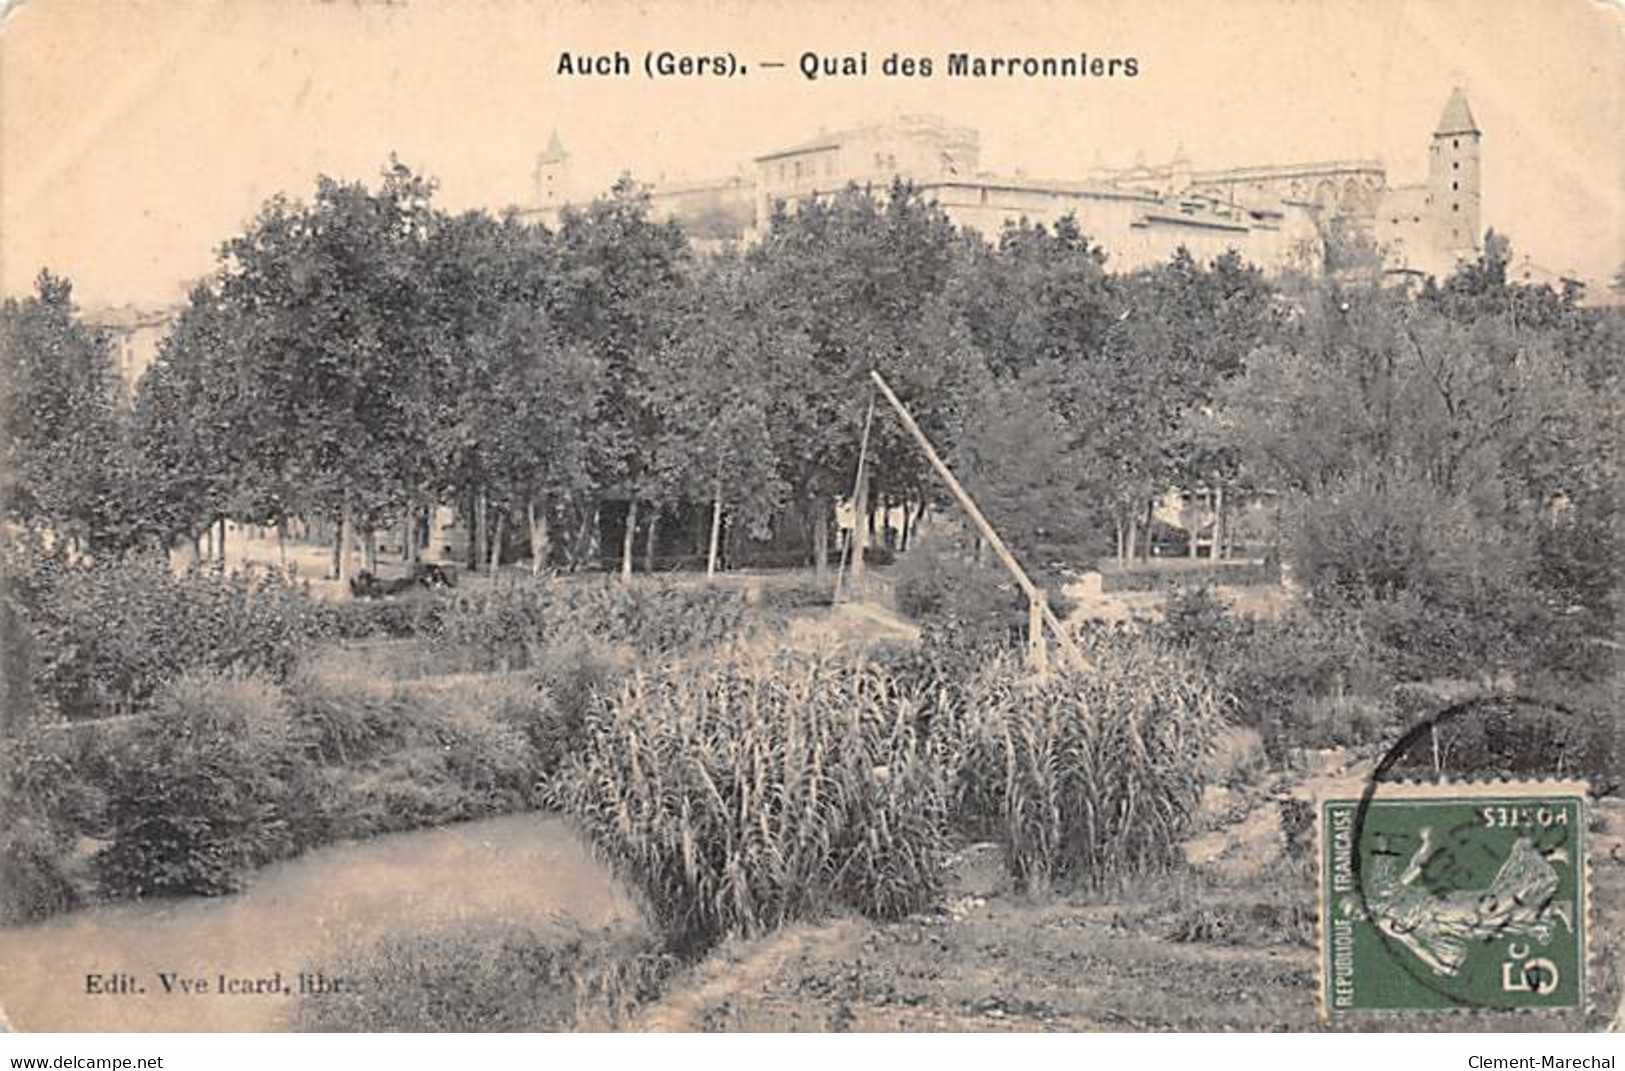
(1467, 896)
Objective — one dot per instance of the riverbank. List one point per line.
(524, 870)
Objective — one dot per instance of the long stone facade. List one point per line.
(1278, 216)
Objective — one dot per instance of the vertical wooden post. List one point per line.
(860, 484)
(716, 531)
(1037, 648)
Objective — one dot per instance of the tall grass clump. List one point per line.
(748, 792)
(1090, 775)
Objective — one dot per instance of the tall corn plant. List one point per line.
(1085, 775)
(746, 793)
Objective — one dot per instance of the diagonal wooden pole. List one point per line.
(1035, 595)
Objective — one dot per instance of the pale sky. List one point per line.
(136, 135)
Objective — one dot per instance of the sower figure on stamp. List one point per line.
(1437, 928)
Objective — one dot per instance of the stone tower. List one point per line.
(552, 175)
(1454, 185)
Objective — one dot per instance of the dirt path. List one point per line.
(524, 869)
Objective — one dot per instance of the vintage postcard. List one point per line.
(694, 515)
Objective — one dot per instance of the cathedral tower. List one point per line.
(552, 175)
(1454, 187)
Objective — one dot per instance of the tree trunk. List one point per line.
(650, 539)
(1129, 541)
(716, 532)
(1150, 518)
(821, 539)
(482, 529)
(282, 543)
(627, 537)
(222, 543)
(1192, 523)
(903, 537)
(346, 537)
(1219, 534)
(860, 541)
(584, 543)
(408, 539)
(498, 537)
(538, 536)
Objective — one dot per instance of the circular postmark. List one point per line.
(1467, 861)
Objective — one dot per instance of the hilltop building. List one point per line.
(1275, 215)
(134, 333)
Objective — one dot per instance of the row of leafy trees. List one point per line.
(364, 355)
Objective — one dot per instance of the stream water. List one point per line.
(99, 969)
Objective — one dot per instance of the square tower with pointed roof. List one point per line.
(1454, 180)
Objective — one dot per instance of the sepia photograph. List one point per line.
(1070, 517)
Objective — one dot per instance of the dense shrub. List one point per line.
(1176, 574)
(1513, 737)
(105, 635)
(349, 719)
(1197, 620)
(232, 772)
(1436, 589)
(382, 757)
(417, 614)
(1088, 775)
(747, 793)
(797, 593)
(198, 795)
(1305, 680)
(966, 611)
(552, 715)
(487, 979)
(1478, 633)
(43, 805)
(35, 878)
(515, 623)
